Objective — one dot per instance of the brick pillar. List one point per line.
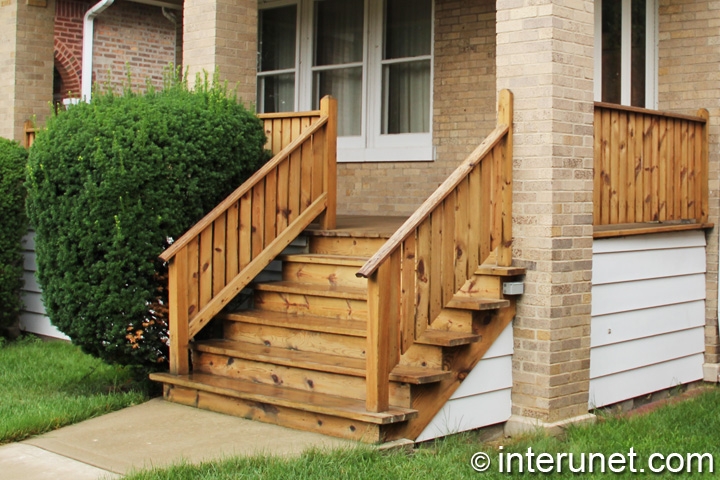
(545, 57)
(26, 63)
(222, 34)
(689, 60)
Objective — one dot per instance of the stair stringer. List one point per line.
(460, 360)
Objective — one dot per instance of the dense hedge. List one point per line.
(13, 224)
(110, 183)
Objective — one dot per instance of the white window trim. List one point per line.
(651, 54)
(370, 146)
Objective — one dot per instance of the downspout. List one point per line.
(87, 50)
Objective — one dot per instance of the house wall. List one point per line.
(464, 112)
(127, 35)
(648, 315)
(689, 79)
(484, 397)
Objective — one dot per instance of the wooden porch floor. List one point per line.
(369, 226)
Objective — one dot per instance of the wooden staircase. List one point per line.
(369, 331)
(298, 357)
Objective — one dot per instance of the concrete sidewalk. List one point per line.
(153, 434)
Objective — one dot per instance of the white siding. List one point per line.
(484, 396)
(648, 315)
(33, 318)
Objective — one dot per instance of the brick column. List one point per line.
(689, 79)
(222, 34)
(26, 63)
(545, 57)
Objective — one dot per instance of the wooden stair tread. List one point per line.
(445, 338)
(348, 293)
(316, 361)
(325, 259)
(286, 397)
(477, 303)
(312, 323)
(499, 271)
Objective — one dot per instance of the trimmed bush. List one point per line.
(13, 224)
(110, 184)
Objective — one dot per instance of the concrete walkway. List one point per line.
(153, 434)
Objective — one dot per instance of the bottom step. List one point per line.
(321, 413)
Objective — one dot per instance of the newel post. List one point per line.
(178, 324)
(705, 162)
(505, 117)
(328, 106)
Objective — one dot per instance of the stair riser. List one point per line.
(300, 340)
(454, 320)
(331, 275)
(277, 415)
(292, 377)
(311, 305)
(486, 286)
(352, 246)
(429, 356)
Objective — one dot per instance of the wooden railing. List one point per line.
(29, 132)
(223, 252)
(649, 166)
(421, 267)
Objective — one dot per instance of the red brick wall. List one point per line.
(127, 34)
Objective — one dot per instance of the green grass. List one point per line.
(46, 385)
(686, 427)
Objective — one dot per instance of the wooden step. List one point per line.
(347, 293)
(445, 338)
(286, 397)
(311, 323)
(295, 377)
(330, 270)
(477, 303)
(499, 271)
(325, 259)
(303, 304)
(316, 361)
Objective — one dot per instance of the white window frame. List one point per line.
(651, 53)
(371, 145)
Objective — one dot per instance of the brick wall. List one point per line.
(134, 35)
(464, 112)
(68, 44)
(545, 57)
(689, 79)
(26, 65)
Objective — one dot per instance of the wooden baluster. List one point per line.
(178, 322)
(328, 106)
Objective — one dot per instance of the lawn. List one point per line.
(46, 385)
(692, 426)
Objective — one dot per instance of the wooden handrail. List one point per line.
(649, 166)
(221, 254)
(419, 270)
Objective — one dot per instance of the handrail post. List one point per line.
(382, 352)
(328, 106)
(28, 133)
(705, 162)
(505, 117)
(178, 321)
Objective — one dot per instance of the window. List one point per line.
(374, 56)
(626, 52)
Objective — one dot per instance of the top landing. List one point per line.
(365, 226)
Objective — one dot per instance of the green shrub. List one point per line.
(13, 224)
(110, 183)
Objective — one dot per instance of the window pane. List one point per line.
(611, 50)
(277, 33)
(639, 38)
(408, 28)
(276, 93)
(406, 97)
(338, 32)
(346, 86)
